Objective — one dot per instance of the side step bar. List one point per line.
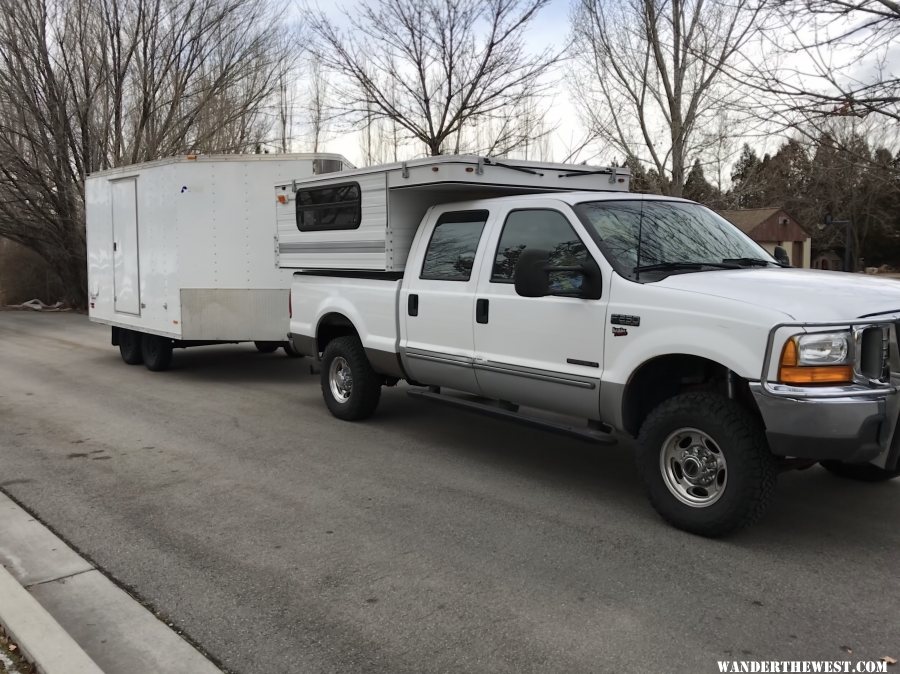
(581, 432)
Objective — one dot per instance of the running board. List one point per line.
(580, 432)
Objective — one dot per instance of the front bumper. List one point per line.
(854, 423)
(852, 429)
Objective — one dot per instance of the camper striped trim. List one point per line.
(333, 247)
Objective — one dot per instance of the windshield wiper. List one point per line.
(750, 261)
(674, 266)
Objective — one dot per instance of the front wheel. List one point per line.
(130, 346)
(350, 386)
(157, 352)
(860, 472)
(705, 463)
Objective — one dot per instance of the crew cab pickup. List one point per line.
(645, 315)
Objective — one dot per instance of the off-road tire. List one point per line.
(751, 468)
(130, 346)
(366, 388)
(267, 347)
(860, 472)
(157, 352)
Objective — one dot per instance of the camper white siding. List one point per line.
(395, 197)
(360, 248)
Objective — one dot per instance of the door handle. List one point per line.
(481, 311)
(412, 305)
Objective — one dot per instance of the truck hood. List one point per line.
(802, 294)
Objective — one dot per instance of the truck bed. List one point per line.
(369, 299)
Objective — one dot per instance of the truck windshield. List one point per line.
(658, 238)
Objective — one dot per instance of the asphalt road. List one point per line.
(425, 540)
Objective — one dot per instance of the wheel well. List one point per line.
(332, 326)
(666, 376)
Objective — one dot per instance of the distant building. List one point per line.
(771, 227)
(828, 259)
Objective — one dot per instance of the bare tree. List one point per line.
(317, 103)
(833, 58)
(650, 74)
(90, 84)
(432, 67)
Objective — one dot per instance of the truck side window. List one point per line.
(329, 207)
(451, 252)
(539, 228)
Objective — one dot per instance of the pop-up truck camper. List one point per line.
(181, 252)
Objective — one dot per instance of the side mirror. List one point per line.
(781, 256)
(533, 277)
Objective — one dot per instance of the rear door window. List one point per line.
(451, 251)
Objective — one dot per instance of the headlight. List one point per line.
(818, 358)
(827, 348)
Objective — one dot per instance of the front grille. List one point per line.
(874, 357)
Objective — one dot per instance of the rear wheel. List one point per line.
(861, 472)
(705, 463)
(266, 347)
(350, 386)
(130, 346)
(157, 352)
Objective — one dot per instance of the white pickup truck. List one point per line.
(646, 315)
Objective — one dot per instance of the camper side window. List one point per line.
(451, 252)
(330, 207)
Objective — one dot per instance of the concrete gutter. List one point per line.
(69, 618)
(38, 635)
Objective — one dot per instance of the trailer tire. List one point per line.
(266, 347)
(350, 386)
(130, 346)
(290, 351)
(860, 472)
(157, 352)
(705, 463)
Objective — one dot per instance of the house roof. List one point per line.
(748, 219)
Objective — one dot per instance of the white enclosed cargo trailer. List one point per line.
(365, 219)
(181, 251)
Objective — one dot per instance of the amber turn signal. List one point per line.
(791, 373)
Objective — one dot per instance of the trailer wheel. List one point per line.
(350, 386)
(860, 472)
(266, 347)
(157, 352)
(130, 346)
(705, 463)
(290, 351)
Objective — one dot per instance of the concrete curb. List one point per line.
(69, 618)
(37, 634)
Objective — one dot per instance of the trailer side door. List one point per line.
(126, 272)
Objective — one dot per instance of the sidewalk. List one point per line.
(69, 618)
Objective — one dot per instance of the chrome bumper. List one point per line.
(854, 429)
(854, 423)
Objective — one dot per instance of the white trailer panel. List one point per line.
(185, 247)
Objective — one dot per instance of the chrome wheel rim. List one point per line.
(693, 467)
(340, 378)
